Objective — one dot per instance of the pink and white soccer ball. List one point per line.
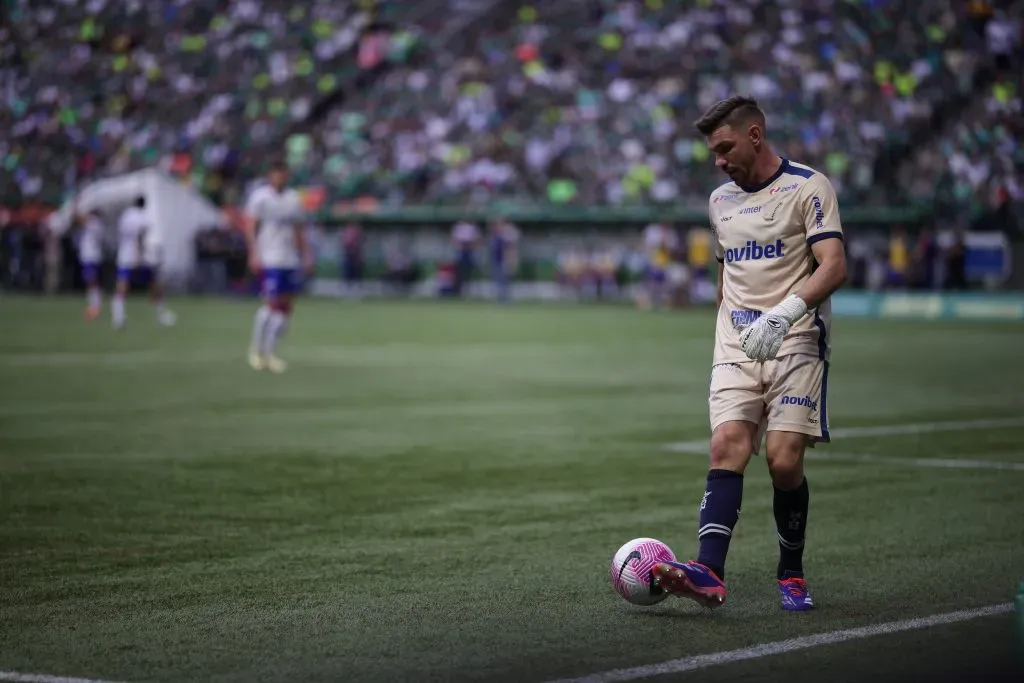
(631, 570)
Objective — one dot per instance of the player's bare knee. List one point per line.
(731, 445)
(786, 460)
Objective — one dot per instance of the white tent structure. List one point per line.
(176, 212)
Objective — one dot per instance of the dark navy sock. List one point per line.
(791, 522)
(719, 512)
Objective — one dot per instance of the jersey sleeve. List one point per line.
(820, 210)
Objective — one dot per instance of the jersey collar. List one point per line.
(783, 167)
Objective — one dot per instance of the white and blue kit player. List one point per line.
(138, 264)
(279, 254)
(90, 257)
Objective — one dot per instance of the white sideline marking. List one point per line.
(676, 666)
(701, 446)
(937, 463)
(43, 678)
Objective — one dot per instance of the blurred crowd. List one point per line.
(570, 102)
(101, 87)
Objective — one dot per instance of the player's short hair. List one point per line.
(731, 111)
(279, 165)
(140, 202)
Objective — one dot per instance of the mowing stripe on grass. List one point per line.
(16, 677)
(698, 662)
(701, 446)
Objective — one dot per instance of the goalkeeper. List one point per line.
(779, 244)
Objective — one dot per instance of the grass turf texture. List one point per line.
(434, 492)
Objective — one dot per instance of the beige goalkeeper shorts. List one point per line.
(787, 394)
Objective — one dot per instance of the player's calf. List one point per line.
(259, 325)
(93, 295)
(723, 495)
(278, 320)
(164, 316)
(117, 306)
(790, 504)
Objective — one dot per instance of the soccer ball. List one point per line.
(631, 570)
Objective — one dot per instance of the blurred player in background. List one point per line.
(90, 256)
(698, 256)
(138, 263)
(277, 248)
(778, 238)
(659, 241)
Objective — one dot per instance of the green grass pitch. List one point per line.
(434, 492)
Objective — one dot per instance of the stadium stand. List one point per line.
(101, 88)
(576, 102)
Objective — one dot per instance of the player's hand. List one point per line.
(308, 265)
(254, 264)
(762, 340)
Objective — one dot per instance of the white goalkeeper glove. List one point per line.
(762, 340)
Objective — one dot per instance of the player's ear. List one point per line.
(754, 132)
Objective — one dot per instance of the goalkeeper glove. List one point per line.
(762, 340)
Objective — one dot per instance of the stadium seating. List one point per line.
(591, 101)
(579, 101)
(104, 87)
(972, 165)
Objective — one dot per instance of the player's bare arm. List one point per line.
(829, 275)
(721, 284)
(302, 246)
(249, 225)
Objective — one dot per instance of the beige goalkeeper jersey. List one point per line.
(763, 238)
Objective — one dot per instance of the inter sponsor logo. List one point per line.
(805, 401)
(751, 209)
(753, 251)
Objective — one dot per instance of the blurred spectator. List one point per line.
(401, 272)
(898, 272)
(352, 258)
(604, 267)
(572, 272)
(213, 249)
(503, 249)
(956, 276)
(465, 237)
